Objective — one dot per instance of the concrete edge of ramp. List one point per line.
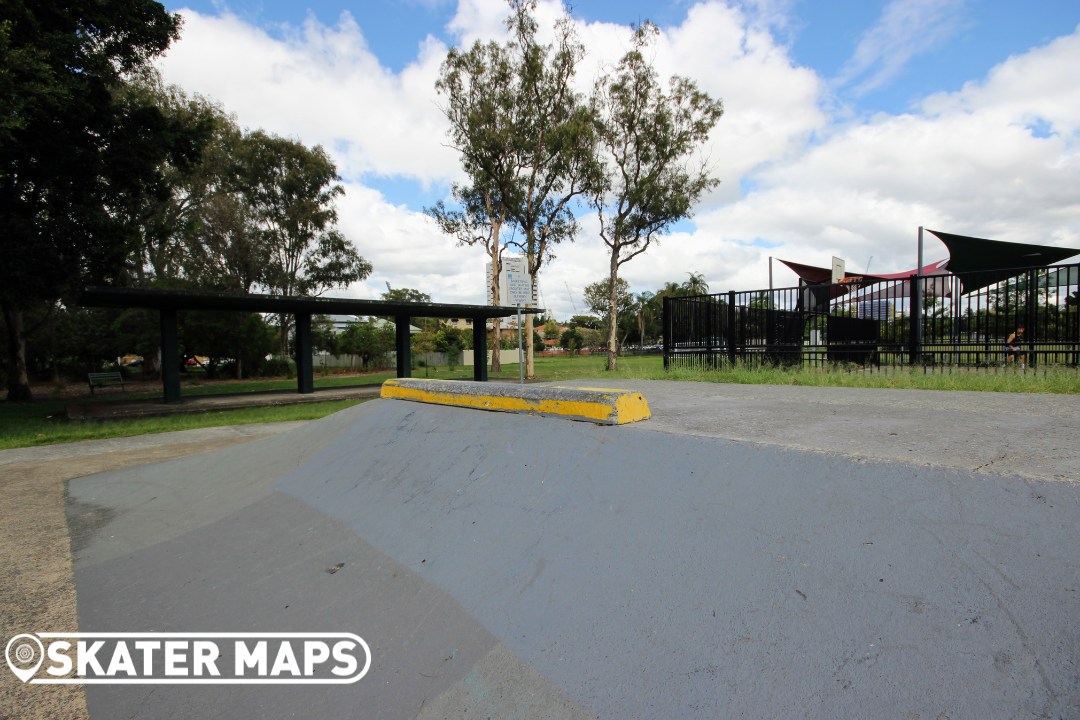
(603, 406)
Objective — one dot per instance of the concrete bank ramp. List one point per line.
(504, 566)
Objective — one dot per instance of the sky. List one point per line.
(847, 125)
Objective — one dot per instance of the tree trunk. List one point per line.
(18, 383)
(613, 318)
(283, 337)
(496, 323)
(530, 361)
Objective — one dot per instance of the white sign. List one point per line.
(515, 283)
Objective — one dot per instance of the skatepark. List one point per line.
(745, 552)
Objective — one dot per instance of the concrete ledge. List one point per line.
(604, 406)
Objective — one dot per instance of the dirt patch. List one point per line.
(37, 586)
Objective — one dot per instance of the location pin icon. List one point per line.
(24, 654)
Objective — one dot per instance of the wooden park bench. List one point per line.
(104, 379)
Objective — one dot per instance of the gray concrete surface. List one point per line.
(512, 566)
(1031, 435)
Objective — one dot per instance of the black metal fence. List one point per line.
(963, 321)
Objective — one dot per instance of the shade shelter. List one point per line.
(976, 262)
(169, 302)
(955, 311)
(979, 262)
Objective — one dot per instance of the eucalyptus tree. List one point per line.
(477, 219)
(524, 137)
(597, 297)
(643, 312)
(555, 133)
(647, 135)
(291, 191)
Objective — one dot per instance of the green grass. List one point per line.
(552, 368)
(1051, 380)
(1060, 380)
(43, 423)
(555, 368)
(31, 424)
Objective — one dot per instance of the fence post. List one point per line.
(732, 329)
(915, 331)
(667, 330)
(1032, 315)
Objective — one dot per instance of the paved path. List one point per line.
(1032, 435)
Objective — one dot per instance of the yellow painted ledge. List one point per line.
(605, 406)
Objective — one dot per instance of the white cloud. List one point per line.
(479, 20)
(1040, 84)
(323, 85)
(905, 29)
(407, 249)
(969, 163)
(998, 159)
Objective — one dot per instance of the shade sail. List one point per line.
(979, 262)
(813, 275)
(940, 286)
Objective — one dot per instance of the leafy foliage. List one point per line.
(523, 136)
(647, 135)
(76, 158)
(571, 340)
(371, 340)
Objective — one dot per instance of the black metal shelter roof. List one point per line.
(246, 302)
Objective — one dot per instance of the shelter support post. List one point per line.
(305, 376)
(170, 356)
(479, 343)
(403, 345)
